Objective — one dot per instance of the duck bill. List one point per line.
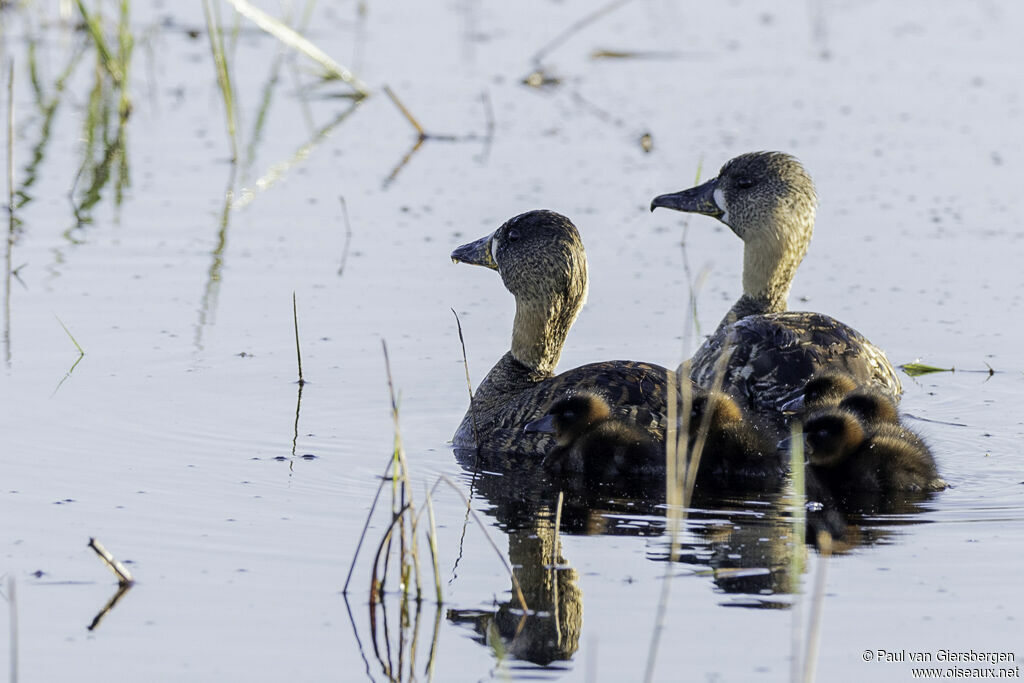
(700, 199)
(476, 253)
(545, 425)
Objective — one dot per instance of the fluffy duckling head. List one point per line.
(724, 410)
(831, 435)
(871, 406)
(540, 257)
(570, 417)
(825, 389)
(769, 201)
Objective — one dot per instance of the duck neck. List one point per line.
(540, 328)
(771, 256)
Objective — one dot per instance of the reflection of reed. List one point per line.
(105, 151)
(551, 629)
(114, 599)
(11, 223)
(422, 135)
(278, 171)
(208, 302)
(395, 643)
(48, 110)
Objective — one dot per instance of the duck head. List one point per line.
(540, 257)
(830, 436)
(570, 417)
(724, 411)
(826, 388)
(769, 201)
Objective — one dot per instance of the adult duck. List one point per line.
(540, 257)
(768, 200)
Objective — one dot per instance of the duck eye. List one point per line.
(512, 235)
(569, 414)
(745, 182)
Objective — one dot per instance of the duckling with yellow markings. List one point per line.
(768, 200)
(593, 445)
(851, 455)
(738, 453)
(540, 257)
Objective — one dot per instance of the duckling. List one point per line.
(768, 200)
(851, 456)
(594, 445)
(540, 257)
(738, 453)
(825, 389)
(871, 406)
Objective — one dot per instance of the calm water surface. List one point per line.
(176, 439)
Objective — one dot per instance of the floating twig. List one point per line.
(124, 577)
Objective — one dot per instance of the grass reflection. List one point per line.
(105, 157)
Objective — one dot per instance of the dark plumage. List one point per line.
(871, 406)
(594, 446)
(769, 201)
(540, 258)
(850, 455)
(737, 453)
(824, 390)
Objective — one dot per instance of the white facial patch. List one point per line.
(494, 248)
(719, 198)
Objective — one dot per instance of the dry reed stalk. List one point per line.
(296, 41)
(432, 539)
(124, 577)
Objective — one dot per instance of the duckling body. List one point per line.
(540, 257)
(594, 446)
(769, 201)
(851, 456)
(737, 453)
